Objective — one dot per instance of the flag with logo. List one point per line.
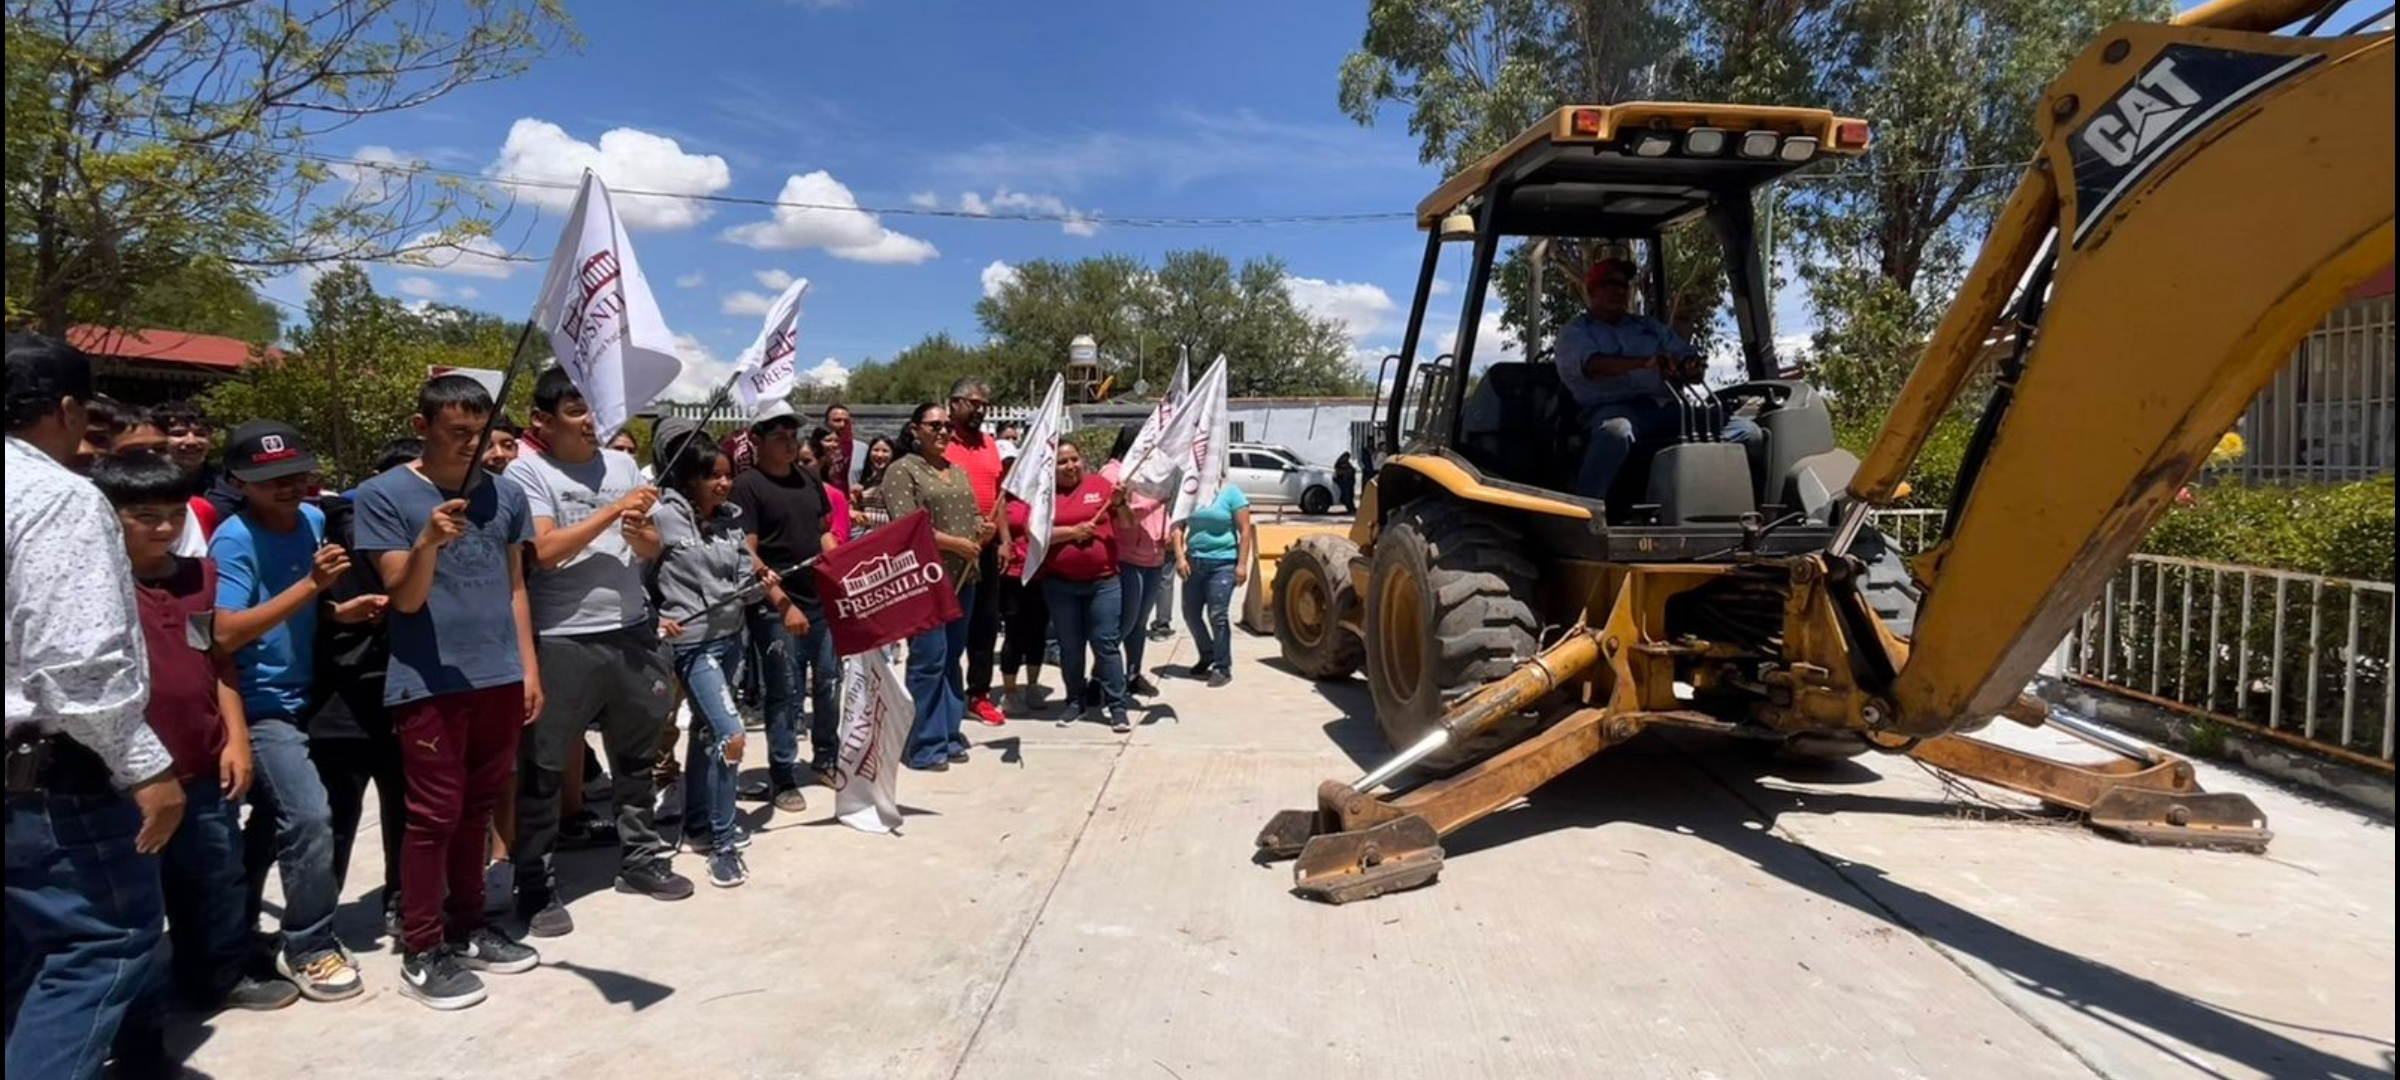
(1194, 445)
(885, 586)
(1154, 430)
(876, 714)
(1034, 478)
(604, 325)
(766, 371)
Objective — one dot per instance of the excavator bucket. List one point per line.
(2198, 819)
(1399, 854)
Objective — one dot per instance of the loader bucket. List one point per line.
(1399, 854)
(2196, 819)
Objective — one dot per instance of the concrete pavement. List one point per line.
(1076, 904)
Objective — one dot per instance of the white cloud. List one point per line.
(828, 373)
(625, 158)
(1360, 308)
(468, 292)
(998, 276)
(1023, 204)
(473, 256)
(1441, 286)
(777, 280)
(692, 280)
(925, 200)
(821, 212)
(1183, 147)
(746, 302)
(703, 372)
(375, 173)
(1493, 342)
(422, 288)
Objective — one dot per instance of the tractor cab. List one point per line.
(1620, 178)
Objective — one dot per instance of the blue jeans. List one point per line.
(1090, 618)
(84, 914)
(200, 957)
(1207, 596)
(708, 780)
(291, 829)
(1617, 426)
(1140, 586)
(787, 663)
(937, 680)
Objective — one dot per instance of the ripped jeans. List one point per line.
(706, 670)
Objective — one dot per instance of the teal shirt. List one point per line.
(1210, 534)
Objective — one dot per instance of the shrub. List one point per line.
(2339, 530)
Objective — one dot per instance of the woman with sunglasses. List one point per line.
(926, 480)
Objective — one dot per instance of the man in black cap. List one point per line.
(272, 564)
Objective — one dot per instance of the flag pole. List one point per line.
(716, 403)
(508, 380)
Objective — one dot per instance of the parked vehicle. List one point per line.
(1274, 474)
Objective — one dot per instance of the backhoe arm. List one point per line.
(2207, 192)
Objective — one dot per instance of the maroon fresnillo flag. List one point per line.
(885, 586)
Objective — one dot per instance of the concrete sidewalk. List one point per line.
(1076, 904)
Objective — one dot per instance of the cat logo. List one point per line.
(2144, 114)
(2184, 91)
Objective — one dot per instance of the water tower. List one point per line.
(1084, 373)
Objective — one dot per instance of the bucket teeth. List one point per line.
(1286, 833)
(2195, 819)
(1338, 868)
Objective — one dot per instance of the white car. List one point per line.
(1274, 474)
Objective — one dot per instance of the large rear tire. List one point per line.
(1312, 594)
(1448, 609)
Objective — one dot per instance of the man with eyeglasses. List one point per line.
(974, 450)
(1617, 363)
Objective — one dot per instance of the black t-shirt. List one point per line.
(789, 515)
(348, 702)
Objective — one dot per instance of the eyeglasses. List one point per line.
(975, 401)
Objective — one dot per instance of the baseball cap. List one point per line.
(776, 412)
(267, 450)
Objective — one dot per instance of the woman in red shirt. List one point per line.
(1079, 579)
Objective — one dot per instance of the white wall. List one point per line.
(1318, 431)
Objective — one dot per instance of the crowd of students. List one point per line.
(188, 639)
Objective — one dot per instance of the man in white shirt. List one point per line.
(92, 794)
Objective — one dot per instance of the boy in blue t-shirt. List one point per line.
(462, 682)
(272, 561)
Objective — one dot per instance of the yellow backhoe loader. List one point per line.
(2205, 191)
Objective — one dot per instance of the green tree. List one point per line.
(349, 380)
(145, 135)
(922, 372)
(1194, 299)
(1950, 87)
(204, 296)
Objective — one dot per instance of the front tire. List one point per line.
(1448, 609)
(1312, 594)
(1316, 500)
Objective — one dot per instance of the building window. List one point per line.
(1233, 431)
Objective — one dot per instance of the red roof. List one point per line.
(169, 346)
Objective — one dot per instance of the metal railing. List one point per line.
(2298, 656)
(2293, 655)
(2327, 416)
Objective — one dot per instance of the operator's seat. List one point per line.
(1520, 426)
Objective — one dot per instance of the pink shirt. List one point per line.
(1145, 544)
(840, 525)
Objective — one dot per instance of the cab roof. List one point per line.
(1630, 170)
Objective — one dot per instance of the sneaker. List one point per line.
(585, 831)
(437, 978)
(490, 950)
(790, 801)
(1198, 671)
(1219, 677)
(1141, 686)
(700, 843)
(1069, 718)
(989, 714)
(656, 880)
(755, 791)
(391, 918)
(726, 869)
(549, 920)
(327, 976)
(938, 766)
(260, 995)
(958, 757)
(1121, 726)
(1161, 631)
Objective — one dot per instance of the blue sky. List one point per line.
(1104, 109)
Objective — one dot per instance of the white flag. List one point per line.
(766, 370)
(1197, 441)
(604, 325)
(1146, 441)
(876, 714)
(1034, 478)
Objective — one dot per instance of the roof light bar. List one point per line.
(1759, 144)
(1704, 142)
(1798, 148)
